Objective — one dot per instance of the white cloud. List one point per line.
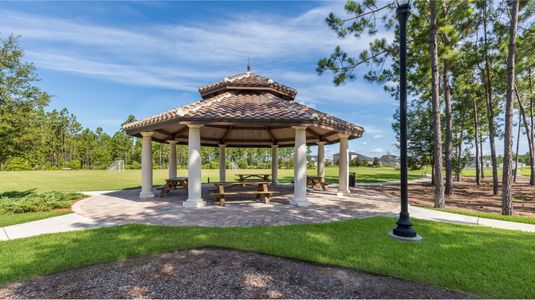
(377, 150)
(378, 136)
(185, 56)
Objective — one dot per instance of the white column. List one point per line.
(321, 159)
(275, 164)
(300, 168)
(343, 167)
(172, 158)
(146, 166)
(194, 168)
(222, 163)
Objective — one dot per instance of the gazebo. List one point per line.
(244, 110)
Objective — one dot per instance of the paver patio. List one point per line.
(126, 207)
(108, 208)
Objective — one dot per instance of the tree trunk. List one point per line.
(531, 107)
(447, 150)
(437, 149)
(481, 158)
(531, 145)
(460, 155)
(432, 173)
(490, 106)
(507, 197)
(478, 175)
(517, 142)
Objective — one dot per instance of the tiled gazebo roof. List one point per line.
(247, 81)
(245, 110)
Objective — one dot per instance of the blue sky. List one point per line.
(106, 60)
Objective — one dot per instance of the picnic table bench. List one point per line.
(245, 176)
(174, 183)
(314, 181)
(262, 190)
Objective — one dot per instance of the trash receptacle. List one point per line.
(352, 179)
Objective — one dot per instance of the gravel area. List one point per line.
(468, 196)
(214, 273)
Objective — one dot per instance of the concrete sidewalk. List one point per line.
(446, 217)
(63, 223)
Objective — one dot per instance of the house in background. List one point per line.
(389, 160)
(486, 163)
(352, 156)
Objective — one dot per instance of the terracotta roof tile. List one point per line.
(247, 80)
(259, 106)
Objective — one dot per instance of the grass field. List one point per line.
(483, 261)
(94, 180)
(471, 172)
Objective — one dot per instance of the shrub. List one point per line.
(376, 162)
(31, 201)
(134, 165)
(74, 164)
(17, 164)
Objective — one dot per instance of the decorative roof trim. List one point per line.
(238, 81)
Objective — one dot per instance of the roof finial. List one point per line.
(248, 65)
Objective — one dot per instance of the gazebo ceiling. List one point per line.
(245, 110)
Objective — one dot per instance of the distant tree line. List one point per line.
(33, 138)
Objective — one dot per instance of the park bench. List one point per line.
(174, 183)
(262, 190)
(314, 181)
(245, 176)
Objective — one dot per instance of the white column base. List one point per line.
(194, 203)
(145, 195)
(343, 193)
(300, 202)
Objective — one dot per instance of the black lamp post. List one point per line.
(403, 230)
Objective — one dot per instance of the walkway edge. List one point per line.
(447, 217)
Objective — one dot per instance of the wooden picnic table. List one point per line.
(262, 190)
(245, 176)
(314, 181)
(174, 183)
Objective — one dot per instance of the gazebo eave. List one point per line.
(181, 135)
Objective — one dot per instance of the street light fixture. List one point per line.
(403, 230)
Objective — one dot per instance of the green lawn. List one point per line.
(93, 180)
(471, 172)
(483, 261)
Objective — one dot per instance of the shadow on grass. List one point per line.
(478, 260)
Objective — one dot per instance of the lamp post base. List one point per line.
(416, 238)
(404, 230)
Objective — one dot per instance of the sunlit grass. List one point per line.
(483, 261)
(97, 180)
(471, 172)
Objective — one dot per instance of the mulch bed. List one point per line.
(214, 273)
(468, 196)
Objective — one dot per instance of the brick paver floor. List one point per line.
(126, 207)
